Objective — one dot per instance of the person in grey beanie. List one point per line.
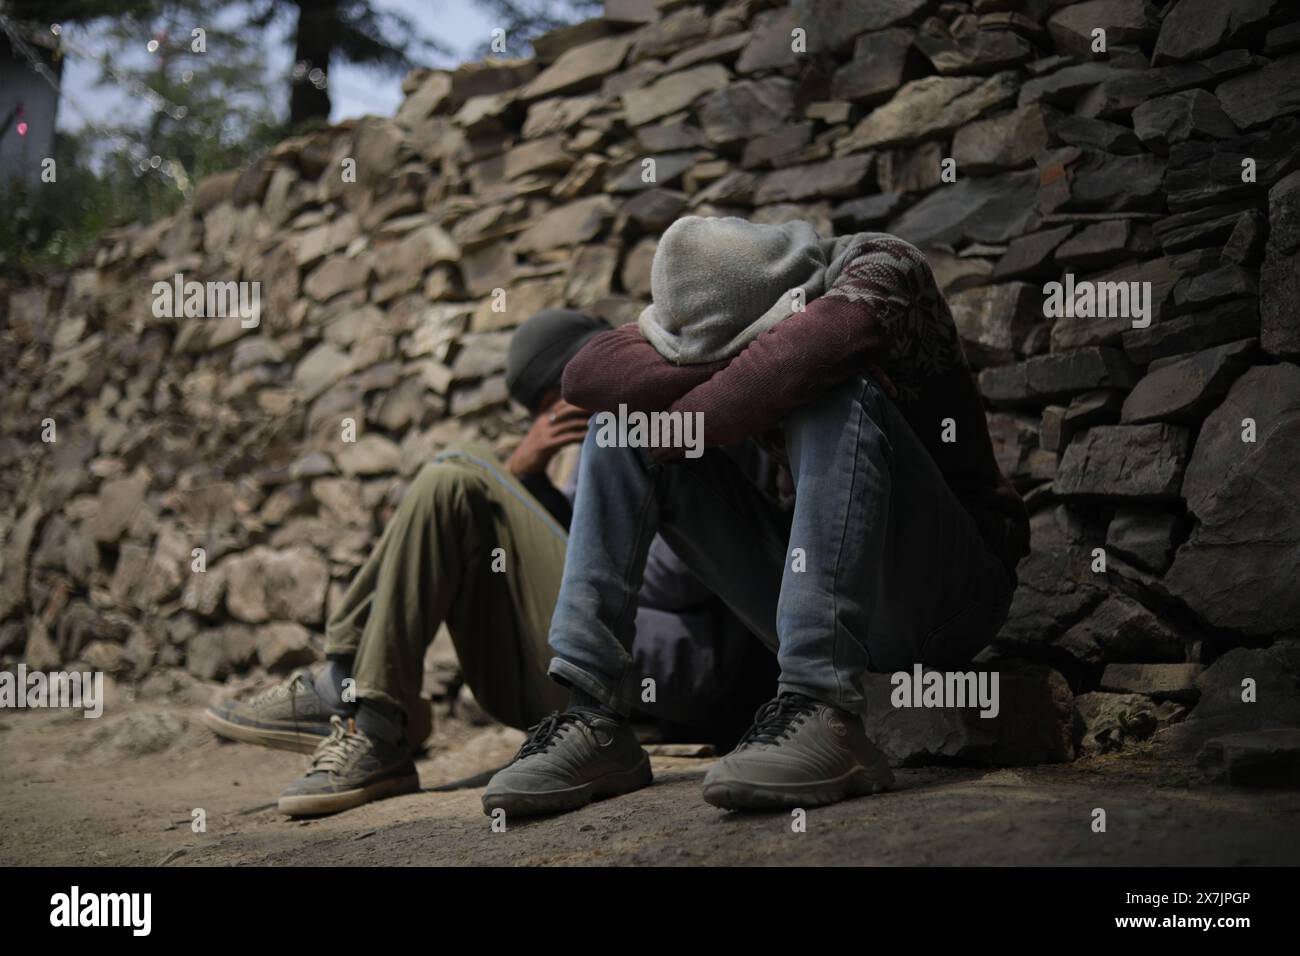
(898, 546)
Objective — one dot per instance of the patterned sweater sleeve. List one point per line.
(857, 327)
(621, 367)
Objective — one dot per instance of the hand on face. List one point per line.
(557, 424)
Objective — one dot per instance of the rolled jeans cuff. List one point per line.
(618, 700)
(852, 702)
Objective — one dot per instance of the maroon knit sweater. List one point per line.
(885, 317)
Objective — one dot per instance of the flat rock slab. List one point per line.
(1158, 681)
(1197, 28)
(1166, 120)
(987, 209)
(1179, 335)
(1050, 379)
(1259, 758)
(929, 106)
(1144, 537)
(1122, 629)
(1253, 99)
(1184, 390)
(1124, 461)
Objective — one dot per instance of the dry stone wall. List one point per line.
(394, 255)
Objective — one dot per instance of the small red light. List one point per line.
(22, 129)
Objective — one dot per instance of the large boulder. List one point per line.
(1033, 722)
(1247, 689)
(268, 585)
(1239, 568)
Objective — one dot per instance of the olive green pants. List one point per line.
(470, 546)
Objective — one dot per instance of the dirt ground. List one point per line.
(121, 791)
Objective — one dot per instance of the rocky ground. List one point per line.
(121, 791)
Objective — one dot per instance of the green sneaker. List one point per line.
(347, 770)
(290, 715)
(568, 760)
(799, 753)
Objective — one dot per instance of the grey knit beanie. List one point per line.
(718, 283)
(541, 347)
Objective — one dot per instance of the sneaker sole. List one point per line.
(525, 803)
(315, 805)
(295, 740)
(745, 795)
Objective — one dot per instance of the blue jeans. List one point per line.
(876, 567)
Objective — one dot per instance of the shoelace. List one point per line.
(282, 689)
(334, 752)
(544, 733)
(776, 719)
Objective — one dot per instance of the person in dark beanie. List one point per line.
(481, 546)
(899, 545)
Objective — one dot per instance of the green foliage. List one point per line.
(112, 172)
(195, 113)
(214, 100)
(47, 226)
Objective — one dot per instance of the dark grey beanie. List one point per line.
(541, 347)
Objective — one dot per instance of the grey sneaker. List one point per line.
(568, 760)
(347, 770)
(799, 753)
(290, 715)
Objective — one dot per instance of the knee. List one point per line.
(602, 450)
(841, 402)
(442, 483)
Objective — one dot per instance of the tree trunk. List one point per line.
(317, 21)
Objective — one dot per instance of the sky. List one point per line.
(354, 91)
